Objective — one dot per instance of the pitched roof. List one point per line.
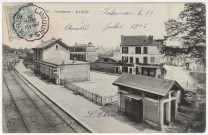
(148, 84)
(49, 43)
(111, 58)
(137, 41)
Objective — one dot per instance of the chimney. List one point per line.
(150, 39)
(53, 39)
(74, 60)
(90, 44)
(122, 38)
(59, 39)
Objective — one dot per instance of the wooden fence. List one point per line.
(101, 100)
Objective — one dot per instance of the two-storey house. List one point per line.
(83, 52)
(52, 61)
(140, 55)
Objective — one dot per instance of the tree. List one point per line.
(190, 29)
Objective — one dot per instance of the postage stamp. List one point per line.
(30, 22)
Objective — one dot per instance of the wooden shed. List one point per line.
(148, 99)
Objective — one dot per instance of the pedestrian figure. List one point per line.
(194, 84)
(187, 84)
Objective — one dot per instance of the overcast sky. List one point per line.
(97, 19)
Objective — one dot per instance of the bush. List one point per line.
(194, 105)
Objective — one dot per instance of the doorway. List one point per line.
(130, 70)
(117, 70)
(173, 110)
(134, 109)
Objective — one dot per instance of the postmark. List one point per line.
(31, 23)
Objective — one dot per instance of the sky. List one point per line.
(148, 17)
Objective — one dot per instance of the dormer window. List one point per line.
(56, 47)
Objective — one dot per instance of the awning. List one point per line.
(134, 96)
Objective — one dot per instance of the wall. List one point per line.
(90, 49)
(151, 110)
(73, 72)
(104, 67)
(52, 52)
(153, 51)
(141, 56)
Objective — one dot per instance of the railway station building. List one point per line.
(52, 62)
(148, 99)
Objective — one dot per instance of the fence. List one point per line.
(92, 96)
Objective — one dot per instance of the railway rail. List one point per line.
(36, 112)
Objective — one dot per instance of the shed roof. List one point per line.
(141, 40)
(148, 84)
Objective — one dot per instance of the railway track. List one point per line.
(35, 109)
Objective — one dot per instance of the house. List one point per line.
(83, 52)
(140, 55)
(148, 99)
(105, 64)
(52, 62)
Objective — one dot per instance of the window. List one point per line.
(138, 50)
(131, 59)
(56, 47)
(125, 50)
(145, 60)
(173, 94)
(137, 60)
(152, 59)
(124, 59)
(125, 69)
(145, 50)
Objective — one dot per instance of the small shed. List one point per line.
(66, 70)
(148, 99)
(104, 64)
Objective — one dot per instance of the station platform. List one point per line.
(98, 119)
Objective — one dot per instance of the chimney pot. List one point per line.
(122, 37)
(53, 39)
(90, 44)
(60, 39)
(150, 39)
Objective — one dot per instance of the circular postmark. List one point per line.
(31, 22)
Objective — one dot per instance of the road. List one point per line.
(182, 77)
(26, 110)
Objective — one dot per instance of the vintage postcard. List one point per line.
(102, 67)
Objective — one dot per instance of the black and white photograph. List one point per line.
(103, 67)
